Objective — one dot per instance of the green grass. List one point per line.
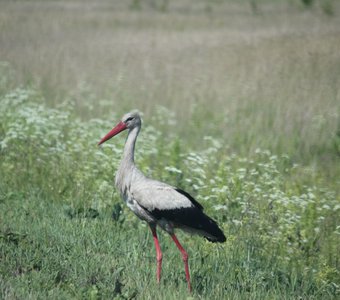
(241, 109)
(58, 239)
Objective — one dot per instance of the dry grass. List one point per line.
(267, 79)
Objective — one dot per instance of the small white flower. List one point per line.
(237, 222)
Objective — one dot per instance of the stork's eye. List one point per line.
(129, 119)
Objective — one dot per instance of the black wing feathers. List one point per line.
(191, 219)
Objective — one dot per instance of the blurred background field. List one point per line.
(269, 70)
(241, 103)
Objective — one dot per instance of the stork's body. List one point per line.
(158, 203)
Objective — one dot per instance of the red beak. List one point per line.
(118, 128)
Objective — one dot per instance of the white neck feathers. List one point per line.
(127, 168)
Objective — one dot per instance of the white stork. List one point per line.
(156, 202)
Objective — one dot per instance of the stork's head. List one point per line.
(129, 121)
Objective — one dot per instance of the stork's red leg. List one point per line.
(158, 252)
(185, 259)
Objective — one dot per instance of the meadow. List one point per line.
(241, 108)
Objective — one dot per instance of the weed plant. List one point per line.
(59, 240)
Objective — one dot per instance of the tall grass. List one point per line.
(240, 109)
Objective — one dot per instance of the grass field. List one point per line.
(241, 103)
